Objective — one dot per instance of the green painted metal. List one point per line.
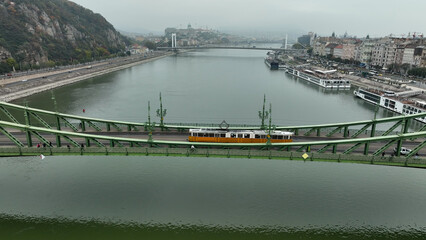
(11, 137)
(334, 131)
(116, 127)
(323, 149)
(393, 128)
(67, 123)
(58, 127)
(27, 132)
(416, 149)
(94, 126)
(40, 120)
(97, 142)
(351, 149)
(361, 130)
(180, 127)
(311, 131)
(71, 141)
(382, 149)
(9, 115)
(41, 138)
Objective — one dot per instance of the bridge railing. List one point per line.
(224, 153)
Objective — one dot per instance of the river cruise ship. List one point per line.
(325, 78)
(238, 136)
(391, 101)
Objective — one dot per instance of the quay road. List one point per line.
(24, 85)
(179, 136)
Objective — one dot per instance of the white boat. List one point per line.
(388, 100)
(324, 78)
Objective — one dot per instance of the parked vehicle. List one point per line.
(404, 150)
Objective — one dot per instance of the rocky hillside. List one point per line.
(49, 32)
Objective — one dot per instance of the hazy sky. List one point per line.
(357, 17)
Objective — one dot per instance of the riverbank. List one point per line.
(23, 86)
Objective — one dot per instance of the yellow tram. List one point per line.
(238, 136)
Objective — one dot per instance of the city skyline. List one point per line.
(377, 19)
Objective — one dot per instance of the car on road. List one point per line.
(404, 150)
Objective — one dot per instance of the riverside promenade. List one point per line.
(25, 85)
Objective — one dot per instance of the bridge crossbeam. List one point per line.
(11, 137)
(382, 149)
(67, 123)
(8, 114)
(351, 149)
(416, 149)
(71, 141)
(40, 120)
(393, 128)
(360, 131)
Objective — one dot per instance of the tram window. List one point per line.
(274, 137)
(246, 135)
(240, 135)
(211, 134)
(280, 137)
(232, 135)
(257, 136)
(223, 135)
(262, 136)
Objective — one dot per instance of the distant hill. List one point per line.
(49, 32)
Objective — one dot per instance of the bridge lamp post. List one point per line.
(268, 142)
(58, 122)
(161, 113)
(149, 126)
(263, 114)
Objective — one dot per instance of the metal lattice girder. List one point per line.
(69, 124)
(97, 142)
(71, 141)
(94, 126)
(44, 123)
(11, 137)
(301, 148)
(115, 126)
(392, 128)
(361, 130)
(119, 143)
(41, 138)
(349, 150)
(310, 131)
(323, 149)
(422, 129)
(9, 115)
(382, 149)
(333, 132)
(416, 149)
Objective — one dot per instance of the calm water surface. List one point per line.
(207, 198)
(207, 87)
(197, 196)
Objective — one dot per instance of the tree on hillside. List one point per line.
(149, 44)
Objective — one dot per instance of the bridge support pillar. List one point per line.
(398, 148)
(87, 142)
(58, 127)
(334, 149)
(346, 132)
(28, 132)
(318, 132)
(83, 126)
(372, 134)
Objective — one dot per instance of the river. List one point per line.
(110, 197)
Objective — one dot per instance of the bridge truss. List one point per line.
(339, 138)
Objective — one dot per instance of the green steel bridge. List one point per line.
(62, 133)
